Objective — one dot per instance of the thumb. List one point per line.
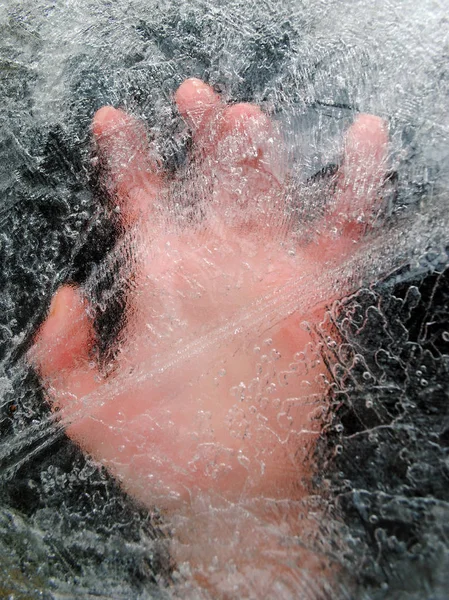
(61, 355)
(66, 336)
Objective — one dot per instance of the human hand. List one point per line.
(210, 390)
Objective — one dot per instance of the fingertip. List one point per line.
(188, 88)
(65, 336)
(106, 119)
(64, 310)
(244, 118)
(194, 99)
(358, 193)
(371, 122)
(368, 133)
(365, 155)
(129, 166)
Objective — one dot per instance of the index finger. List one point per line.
(361, 176)
(128, 169)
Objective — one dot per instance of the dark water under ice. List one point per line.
(67, 530)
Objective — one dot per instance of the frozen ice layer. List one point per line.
(240, 385)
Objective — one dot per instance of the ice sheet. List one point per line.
(380, 496)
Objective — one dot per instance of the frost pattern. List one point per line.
(382, 487)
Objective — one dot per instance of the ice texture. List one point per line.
(378, 511)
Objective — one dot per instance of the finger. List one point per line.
(247, 138)
(61, 354)
(239, 134)
(249, 167)
(361, 176)
(66, 335)
(240, 150)
(198, 104)
(130, 171)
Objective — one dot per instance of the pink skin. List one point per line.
(186, 427)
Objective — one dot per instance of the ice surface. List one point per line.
(374, 523)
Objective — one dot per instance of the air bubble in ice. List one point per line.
(263, 402)
(271, 388)
(243, 460)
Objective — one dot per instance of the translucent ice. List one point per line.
(373, 520)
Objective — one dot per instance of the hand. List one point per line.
(212, 389)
